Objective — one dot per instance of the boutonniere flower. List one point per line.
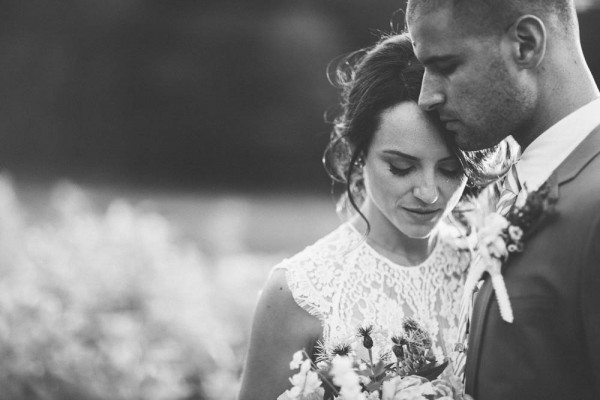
(501, 236)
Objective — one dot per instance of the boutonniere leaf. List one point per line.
(500, 236)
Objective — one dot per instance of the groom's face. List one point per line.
(469, 80)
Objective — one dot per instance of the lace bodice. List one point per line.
(345, 283)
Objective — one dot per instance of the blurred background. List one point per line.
(158, 158)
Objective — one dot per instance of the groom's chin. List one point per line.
(466, 145)
(475, 143)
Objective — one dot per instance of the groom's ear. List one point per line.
(528, 41)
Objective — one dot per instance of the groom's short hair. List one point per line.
(494, 16)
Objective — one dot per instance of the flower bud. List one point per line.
(367, 341)
(398, 351)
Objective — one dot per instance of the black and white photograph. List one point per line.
(300, 200)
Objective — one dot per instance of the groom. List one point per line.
(515, 67)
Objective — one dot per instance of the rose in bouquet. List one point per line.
(406, 370)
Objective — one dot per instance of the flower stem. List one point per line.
(320, 374)
(371, 360)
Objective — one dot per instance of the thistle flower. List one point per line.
(399, 340)
(341, 349)
(427, 342)
(365, 333)
(326, 352)
(418, 339)
(416, 333)
(398, 347)
(410, 325)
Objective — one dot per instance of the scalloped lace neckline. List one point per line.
(428, 262)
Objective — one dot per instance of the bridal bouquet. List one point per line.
(407, 371)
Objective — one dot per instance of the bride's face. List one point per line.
(412, 180)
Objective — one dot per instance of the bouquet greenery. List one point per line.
(409, 370)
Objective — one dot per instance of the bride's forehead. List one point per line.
(407, 126)
(411, 148)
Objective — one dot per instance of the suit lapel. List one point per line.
(579, 158)
(568, 170)
(480, 310)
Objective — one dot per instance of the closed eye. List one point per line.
(400, 171)
(450, 169)
(448, 68)
(442, 65)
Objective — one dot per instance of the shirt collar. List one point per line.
(552, 147)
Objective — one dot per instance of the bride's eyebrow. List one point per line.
(404, 155)
(401, 154)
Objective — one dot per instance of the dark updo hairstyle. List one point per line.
(371, 81)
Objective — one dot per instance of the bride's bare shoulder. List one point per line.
(279, 329)
(278, 307)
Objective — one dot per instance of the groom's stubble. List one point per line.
(496, 104)
(487, 95)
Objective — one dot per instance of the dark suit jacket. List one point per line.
(552, 349)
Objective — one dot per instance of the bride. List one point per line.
(393, 257)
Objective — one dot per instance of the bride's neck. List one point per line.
(386, 239)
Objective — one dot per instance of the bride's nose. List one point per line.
(427, 192)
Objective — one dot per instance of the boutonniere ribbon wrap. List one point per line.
(501, 236)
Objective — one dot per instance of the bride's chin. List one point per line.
(419, 231)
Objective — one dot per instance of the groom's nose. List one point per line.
(431, 97)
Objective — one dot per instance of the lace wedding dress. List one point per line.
(346, 284)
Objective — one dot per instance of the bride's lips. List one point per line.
(423, 214)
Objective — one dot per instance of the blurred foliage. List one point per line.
(116, 305)
(175, 92)
(184, 92)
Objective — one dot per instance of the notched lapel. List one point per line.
(580, 157)
(480, 311)
(545, 216)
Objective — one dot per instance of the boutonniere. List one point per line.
(500, 236)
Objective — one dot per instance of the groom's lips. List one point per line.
(451, 124)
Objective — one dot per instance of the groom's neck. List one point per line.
(566, 84)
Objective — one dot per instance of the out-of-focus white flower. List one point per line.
(345, 377)
(491, 252)
(373, 396)
(515, 233)
(364, 380)
(496, 247)
(408, 388)
(490, 236)
(442, 388)
(305, 382)
(297, 360)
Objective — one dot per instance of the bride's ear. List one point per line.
(527, 38)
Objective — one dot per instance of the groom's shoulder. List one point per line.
(581, 169)
(580, 194)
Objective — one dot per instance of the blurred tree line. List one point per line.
(203, 93)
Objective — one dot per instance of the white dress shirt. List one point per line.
(552, 147)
